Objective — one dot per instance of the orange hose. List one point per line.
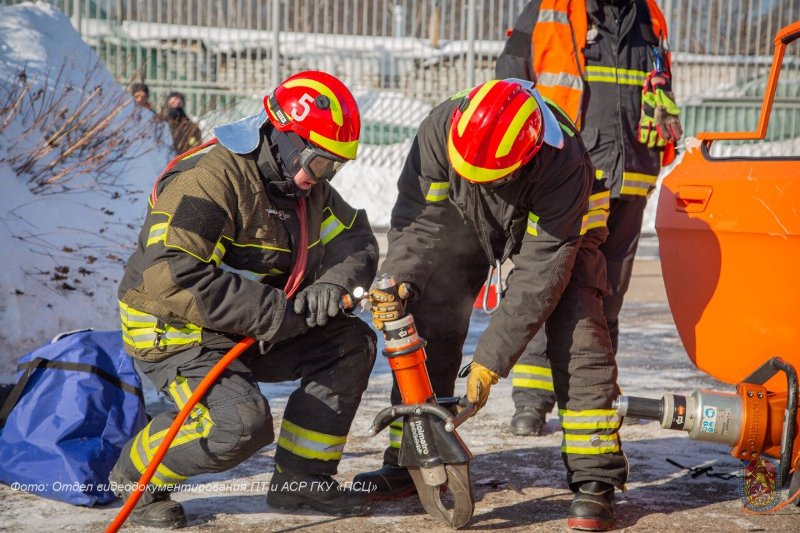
(292, 284)
(198, 393)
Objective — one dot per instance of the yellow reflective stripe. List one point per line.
(599, 174)
(587, 412)
(532, 384)
(589, 419)
(589, 444)
(158, 233)
(395, 434)
(463, 122)
(335, 105)
(332, 226)
(218, 253)
(141, 455)
(637, 184)
(600, 200)
(597, 215)
(310, 444)
(532, 369)
(533, 224)
(346, 150)
(438, 191)
(507, 142)
(470, 171)
(619, 76)
(131, 317)
(596, 219)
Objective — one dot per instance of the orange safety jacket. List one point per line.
(558, 42)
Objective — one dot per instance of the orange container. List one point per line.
(729, 236)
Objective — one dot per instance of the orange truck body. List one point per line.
(729, 237)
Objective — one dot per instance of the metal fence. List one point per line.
(222, 52)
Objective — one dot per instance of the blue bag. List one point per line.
(77, 402)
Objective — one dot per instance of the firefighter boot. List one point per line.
(154, 507)
(592, 509)
(288, 490)
(391, 482)
(528, 420)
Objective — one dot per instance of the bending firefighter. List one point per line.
(605, 62)
(227, 227)
(493, 174)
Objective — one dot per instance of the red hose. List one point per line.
(295, 277)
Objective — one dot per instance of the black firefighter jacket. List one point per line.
(217, 247)
(619, 54)
(536, 220)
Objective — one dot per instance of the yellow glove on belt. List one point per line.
(479, 381)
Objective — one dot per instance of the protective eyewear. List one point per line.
(295, 154)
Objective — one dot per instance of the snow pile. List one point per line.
(77, 159)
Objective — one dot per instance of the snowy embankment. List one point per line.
(76, 161)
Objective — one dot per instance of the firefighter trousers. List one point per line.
(585, 372)
(532, 377)
(233, 420)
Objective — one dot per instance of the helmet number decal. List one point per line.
(302, 108)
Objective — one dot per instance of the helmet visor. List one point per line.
(320, 165)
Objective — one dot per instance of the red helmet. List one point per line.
(496, 129)
(320, 109)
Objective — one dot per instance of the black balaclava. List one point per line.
(285, 162)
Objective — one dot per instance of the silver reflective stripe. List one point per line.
(310, 444)
(533, 224)
(247, 274)
(330, 228)
(561, 79)
(551, 15)
(438, 191)
(602, 421)
(589, 444)
(532, 377)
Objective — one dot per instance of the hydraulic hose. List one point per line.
(291, 287)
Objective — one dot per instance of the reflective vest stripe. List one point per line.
(158, 233)
(141, 456)
(437, 191)
(332, 226)
(141, 330)
(557, 43)
(557, 53)
(533, 224)
(619, 76)
(532, 377)
(246, 274)
(589, 444)
(605, 421)
(637, 184)
(599, 205)
(310, 444)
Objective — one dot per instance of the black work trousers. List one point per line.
(233, 420)
(532, 376)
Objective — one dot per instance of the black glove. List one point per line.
(318, 302)
(292, 325)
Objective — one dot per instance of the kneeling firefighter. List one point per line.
(230, 226)
(496, 174)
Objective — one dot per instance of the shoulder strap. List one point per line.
(30, 367)
(35, 364)
(171, 166)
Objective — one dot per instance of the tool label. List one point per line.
(709, 422)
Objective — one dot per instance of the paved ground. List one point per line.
(518, 481)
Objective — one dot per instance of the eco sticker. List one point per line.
(709, 421)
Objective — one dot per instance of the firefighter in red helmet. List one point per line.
(228, 227)
(496, 174)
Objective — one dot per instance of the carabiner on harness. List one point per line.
(498, 286)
